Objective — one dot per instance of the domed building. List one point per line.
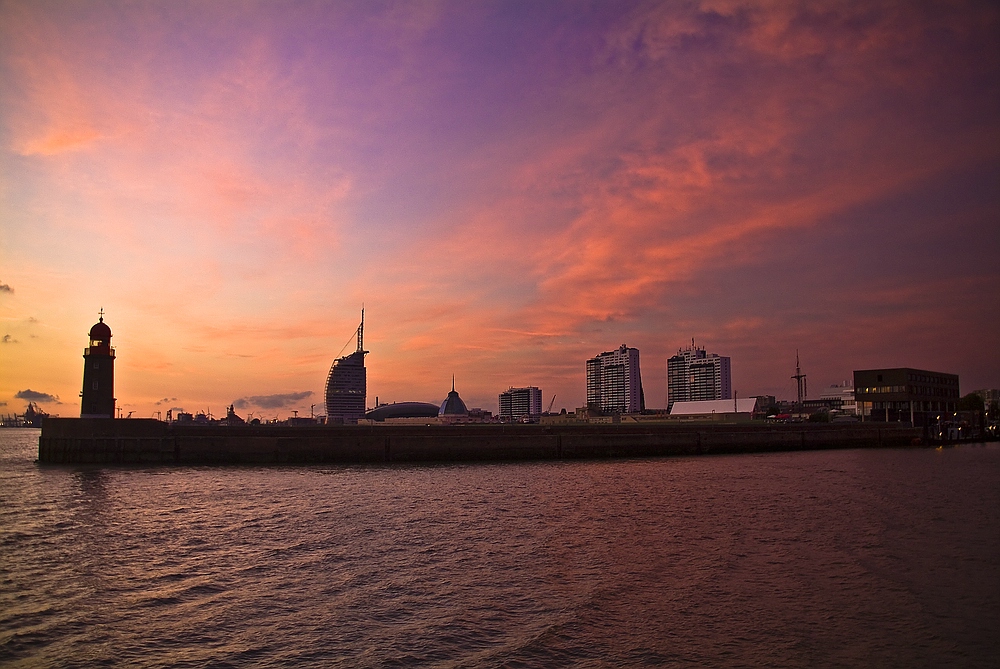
(453, 409)
(402, 411)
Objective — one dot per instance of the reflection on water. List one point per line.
(843, 558)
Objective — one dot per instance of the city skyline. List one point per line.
(509, 189)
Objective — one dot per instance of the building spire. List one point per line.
(452, 383)
(101, 315)
(361, 330)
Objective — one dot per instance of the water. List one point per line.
(883, 558)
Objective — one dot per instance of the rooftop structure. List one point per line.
(347, 384)
(694, 375)
(614, 384)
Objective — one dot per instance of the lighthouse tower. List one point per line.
(98, 374)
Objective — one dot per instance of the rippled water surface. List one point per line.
(839, 558)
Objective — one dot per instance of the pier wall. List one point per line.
(85, 441)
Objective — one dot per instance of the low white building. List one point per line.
(708, 407)
(844, 394)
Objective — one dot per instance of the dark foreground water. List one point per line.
(882, 558)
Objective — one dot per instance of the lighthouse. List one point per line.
(98, 374)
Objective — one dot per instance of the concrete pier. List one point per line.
(87, 441)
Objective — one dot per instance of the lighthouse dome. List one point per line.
(100, 331)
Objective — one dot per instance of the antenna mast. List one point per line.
(800, 378)
(361, 331)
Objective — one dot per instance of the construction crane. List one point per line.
(551, 402)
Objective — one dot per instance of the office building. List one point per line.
(347, 384)
(694, 375)
(520, 404)
(905, 395)
(614, 384)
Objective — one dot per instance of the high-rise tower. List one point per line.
(347, 384)
(614, 384)
(694, 375)
(98, 394)
(520, 404)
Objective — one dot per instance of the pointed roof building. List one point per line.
(453, 404)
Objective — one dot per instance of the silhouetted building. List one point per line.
(694, 375)
(232, 418)
(453, 406)
(989, 396)
(614, 384)
(905, 395)
(398, 410)
(520, 403)
(98, 394)
(347, 384)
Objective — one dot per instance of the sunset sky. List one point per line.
(509, 188)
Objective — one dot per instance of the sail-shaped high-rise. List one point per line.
(347, 384)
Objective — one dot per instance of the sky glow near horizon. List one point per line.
(509, 188)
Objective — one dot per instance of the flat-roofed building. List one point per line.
(614, 384)
(905, 395)
(520, 404)
(732, 408)
(840, 397)
(694, 375)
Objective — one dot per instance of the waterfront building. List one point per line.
(905, 395)
(98, 394)
(402, 410)
(694, 375)
(520, 404)
(731, 410)
(614, 384)
(453, 409)
(989, 396)
(765, 402)
(840, 397)
(347, 384)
